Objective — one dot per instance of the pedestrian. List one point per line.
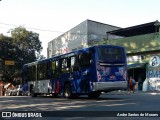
(3, 91)
(132, 84)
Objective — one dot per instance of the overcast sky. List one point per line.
(59, 16)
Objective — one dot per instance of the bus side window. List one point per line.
(69, 63)
(56, 64)
(53, 66)
(56, 67)
(40, 72)
(74, 63)
(85, 59)
(89, 58)
(43, 71)
(31, 73)
(48, 70)
(65, 65)
(28, 74)
(33, 76)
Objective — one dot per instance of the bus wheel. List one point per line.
(67, 91)
(94, 95)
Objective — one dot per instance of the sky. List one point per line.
(51, 18)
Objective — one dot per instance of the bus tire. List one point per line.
(94, 95)
(68, 91)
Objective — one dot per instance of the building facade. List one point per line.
(83, 35)
(142, 43)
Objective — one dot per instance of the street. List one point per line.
(114, 101)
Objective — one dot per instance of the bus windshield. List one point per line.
(111, 54)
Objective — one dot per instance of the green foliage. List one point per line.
(21, 48)
(26, 40)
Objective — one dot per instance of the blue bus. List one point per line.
(89, 71)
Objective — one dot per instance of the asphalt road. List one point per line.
(114, 103)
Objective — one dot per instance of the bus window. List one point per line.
(53, 65)
(74, 63)
(48, 70)
(42, 72)
(85, 59)
(57, 65)
(31, 73)
(64, 65)
(111, 54)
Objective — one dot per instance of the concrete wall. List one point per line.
(97, 31)
(74, 39)
(81, 36)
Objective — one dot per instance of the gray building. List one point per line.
(83, 35)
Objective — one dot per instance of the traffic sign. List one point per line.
(8, 62)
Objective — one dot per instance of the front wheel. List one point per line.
(94, 95)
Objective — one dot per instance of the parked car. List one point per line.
(8, 88)
(16, 91)
(8, 92)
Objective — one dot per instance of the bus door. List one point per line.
(85, 67)
(32, 78)
(55, 78)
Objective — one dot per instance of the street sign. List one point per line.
(7, 62)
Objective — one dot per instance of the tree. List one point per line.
(28, 42)
(8, 52)
(40, 57)
(21, 48)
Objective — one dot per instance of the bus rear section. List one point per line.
(104, 70)
(111, 68)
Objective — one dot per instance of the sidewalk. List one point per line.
(124, 92)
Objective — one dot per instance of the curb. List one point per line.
(119, 92)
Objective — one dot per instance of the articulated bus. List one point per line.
(89, 71)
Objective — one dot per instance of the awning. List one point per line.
(136, 65)
(7, 85)
(136, 30)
